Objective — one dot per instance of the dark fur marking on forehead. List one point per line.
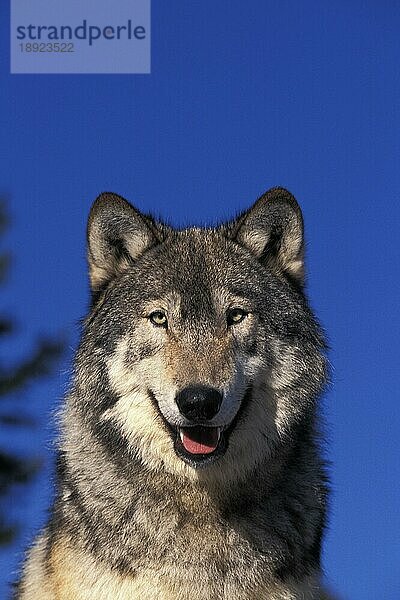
(197, 306)
(195, 293)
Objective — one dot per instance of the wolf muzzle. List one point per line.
(198, 404)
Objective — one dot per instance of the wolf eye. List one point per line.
(158, 318)
(235, 315)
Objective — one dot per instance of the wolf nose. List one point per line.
(199, 403)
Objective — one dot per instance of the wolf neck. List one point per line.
(275, 516)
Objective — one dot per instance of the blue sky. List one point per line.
(242, 96)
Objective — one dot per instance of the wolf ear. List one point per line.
(273, 231)
(117, 234)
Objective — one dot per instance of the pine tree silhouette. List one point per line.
(41, 361)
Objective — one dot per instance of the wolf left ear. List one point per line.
(273, 231)
(117, 234)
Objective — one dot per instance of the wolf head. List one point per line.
(200, 354)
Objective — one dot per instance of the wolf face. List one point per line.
(200, 353)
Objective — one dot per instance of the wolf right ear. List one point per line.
(272, 230)
(117, 234)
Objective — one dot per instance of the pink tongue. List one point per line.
(200, 440)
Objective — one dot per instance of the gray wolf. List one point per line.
(189, 465)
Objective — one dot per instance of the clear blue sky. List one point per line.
(242, 96)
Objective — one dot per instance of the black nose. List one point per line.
(199, 403)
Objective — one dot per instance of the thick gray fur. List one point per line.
(131, 518)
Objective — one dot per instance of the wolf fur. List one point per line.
(135, 519)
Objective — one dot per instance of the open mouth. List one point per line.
(200, 445)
